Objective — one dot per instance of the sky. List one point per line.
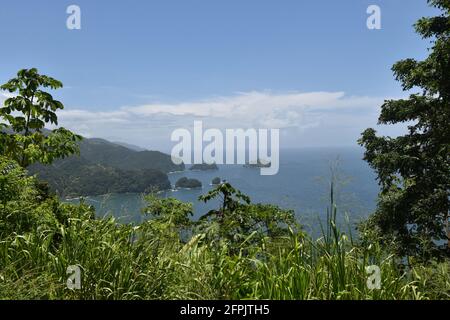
(137, 70)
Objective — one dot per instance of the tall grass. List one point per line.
(122, 261)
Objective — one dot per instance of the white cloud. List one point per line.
(4, 96)
(250, 109)
(260, 108)
(305, 117)
(92, 117)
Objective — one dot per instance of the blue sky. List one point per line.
(138, 69)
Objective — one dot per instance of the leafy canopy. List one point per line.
(24, 117)
(414, 169)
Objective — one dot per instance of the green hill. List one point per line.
(129, 146)
(105, 167)
(78, 177)
(110, 154)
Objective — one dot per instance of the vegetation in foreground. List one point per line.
(239, 251)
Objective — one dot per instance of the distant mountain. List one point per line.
(105, 167)
(110, 154)
(104, 152)
(130, 146)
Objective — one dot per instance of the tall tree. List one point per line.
(25, 115)
(414, 169)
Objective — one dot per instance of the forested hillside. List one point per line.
(104, 167)
(110, 154)
(76, 176)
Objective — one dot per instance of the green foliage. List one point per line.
(17, 198)
(23, 139)
(237, 220)
(25, 206)
(414, 169)
(170, 213)
(231, 199)
(157, 259)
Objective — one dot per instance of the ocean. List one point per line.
(302, 184)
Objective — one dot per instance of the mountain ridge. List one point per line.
(104, 167)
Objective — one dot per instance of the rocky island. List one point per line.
(185, 183)
(259, 164)
(204, 167)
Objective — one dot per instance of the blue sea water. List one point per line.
(302, 184)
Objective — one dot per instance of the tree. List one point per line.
(237, 220)
(22, 137)
(414, 169)
(19, 200)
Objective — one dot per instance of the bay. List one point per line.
(302, 184)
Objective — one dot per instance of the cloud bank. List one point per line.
(304, 118)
